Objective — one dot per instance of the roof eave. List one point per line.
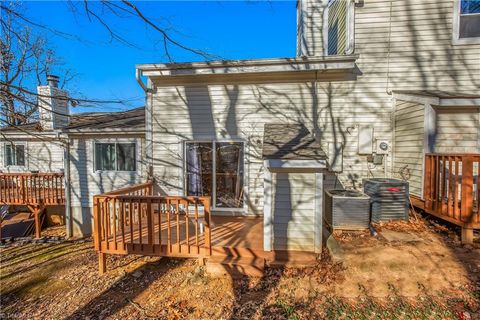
(261, 66)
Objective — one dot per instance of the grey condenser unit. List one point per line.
(347, 210)
(388, 198)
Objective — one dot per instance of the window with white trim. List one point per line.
(339, 27)
(466, 22)
(14, 155)
(115, 156)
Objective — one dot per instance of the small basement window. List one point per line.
(115, 157)
(466, 22)
(14, 155)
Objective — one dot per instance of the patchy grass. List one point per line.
(429, 280)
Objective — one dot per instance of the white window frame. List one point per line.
(24, 156)
(115, 143)
(456, 40)
(350, 48)
(244, 208)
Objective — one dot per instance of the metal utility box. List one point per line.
(347, 210)
(388, 198)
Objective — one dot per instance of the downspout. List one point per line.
(148, 129)
(68, 206)
(138, 76)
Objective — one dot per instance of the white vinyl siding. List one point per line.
(409, 144)
(294, 211)
(420, 54)
(458, 131)
(240, 111)
(87, 182)
(41, 156)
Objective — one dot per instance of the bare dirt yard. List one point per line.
(426, 275)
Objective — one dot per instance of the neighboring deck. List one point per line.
(33, 190)
(451, 190)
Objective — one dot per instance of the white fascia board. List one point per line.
(250, 66)
(273, 164)
(464, 102)
(104, 131)
(20, 135)
(416, 98)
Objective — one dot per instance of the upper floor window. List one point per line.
(14, 155)
(466, 22)
(338, 27)
(115, 157)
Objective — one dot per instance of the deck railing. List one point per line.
(133, 220)
(451, 187)
(32, 189)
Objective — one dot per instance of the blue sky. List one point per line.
(106, 69)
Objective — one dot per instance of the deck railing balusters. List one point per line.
(128, 218)
(451, 186)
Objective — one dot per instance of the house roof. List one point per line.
(125, 121)
(290, 142)
(131, 120)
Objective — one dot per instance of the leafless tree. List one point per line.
(26, 58)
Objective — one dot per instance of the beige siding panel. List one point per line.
(42, 156)
(458, 132)
(240, 111)
(409, 143)
(294, 196)
(86, 182)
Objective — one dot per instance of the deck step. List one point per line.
(235, 266)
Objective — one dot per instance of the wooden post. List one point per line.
(466, 212)
(208, 235)
(467, 235)
(149, 222)
(427, 185)
(22, 190)
(97, 227)
(102, 262)
(36, 210)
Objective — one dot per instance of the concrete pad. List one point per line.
(335, 250)
(396, 236)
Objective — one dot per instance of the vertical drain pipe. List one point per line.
(66, 177)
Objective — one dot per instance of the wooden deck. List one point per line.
(227, 234)
(33, 190)
(133, 221)
(451, 190)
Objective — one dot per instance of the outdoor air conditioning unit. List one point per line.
(388, 198)
(347, 210)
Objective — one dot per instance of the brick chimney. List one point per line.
(53, 105)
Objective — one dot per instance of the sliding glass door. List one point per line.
(216, 169)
